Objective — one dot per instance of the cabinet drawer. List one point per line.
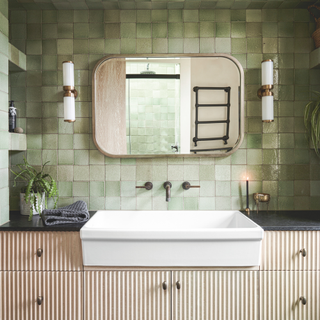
(52, 251)
(290, 250)
(282, 293)
(21, 293)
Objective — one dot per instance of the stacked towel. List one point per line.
(74, 213)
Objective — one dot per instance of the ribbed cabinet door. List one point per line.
(127, 295)
(227, 295)
(184, 300)
(61, 293)
(280, 293)
(283, 251)
(61, 251)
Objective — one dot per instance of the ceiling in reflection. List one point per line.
(157, 4)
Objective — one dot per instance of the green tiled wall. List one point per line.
(274, 156)
(4, 105)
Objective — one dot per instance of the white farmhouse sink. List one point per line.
(171, 238)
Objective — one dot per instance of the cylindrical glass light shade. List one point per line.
(69, 107)
(267, 72)
(267, 108)
(68, 74)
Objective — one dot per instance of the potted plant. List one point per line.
(312, 123)
(40, 186)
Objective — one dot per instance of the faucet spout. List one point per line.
(167, 185)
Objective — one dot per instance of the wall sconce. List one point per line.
(265, 93)
(70, 93)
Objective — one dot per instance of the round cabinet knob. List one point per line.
(39, 300)
(164, 285)
(303, 300)
(303, 252)
(178, 285)
(39, 252)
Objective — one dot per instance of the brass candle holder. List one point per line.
(261, 197)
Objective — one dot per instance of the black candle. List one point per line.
(247, 192)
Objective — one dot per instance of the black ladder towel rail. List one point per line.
(225, 137)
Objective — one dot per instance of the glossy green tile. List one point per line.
(222, 15)
(81, 189)
(301, 30)
(254, 30)
(254, 156)
(207, 14)
(81, 157)
(80, 173)
(207, 45)
(34, 16)
(96, 30)
(301, 60)
(286, 45)
(254, 60)
(34, 157)
(65, 188)
(159, 45)
(128, 30)
(302, 172)
(302, 15)
(190, 15)
(223, 45)
(96, 46)
(270, 45)
(128, 46)
(143, 16)
(223, 29)
(269, 15)
(286, 60)
(286, 92)
(175, 30)
(81, 16)
(254, 45)
(112, 15)
(81, 30)
(270, 140)
(239, 45)
(65, 173)
(301, 157)
(143, 30)
(191, 30)
(286, 29)
(65, 157)
(238, 15)
(65, 16)
(159, 30)
(34, 141)
(96, 16)
(191, 203)
(207, 203)
(238, 29)
(144, 46)
(269, 30)
(64, 46)
(112, 46)
(34, 31)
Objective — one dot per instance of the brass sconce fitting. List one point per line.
(70, 92)
(265, 91)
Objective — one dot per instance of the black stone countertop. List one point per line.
(19, 222)
(269, 221)
(286, 220)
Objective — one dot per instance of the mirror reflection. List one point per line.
(186, 105)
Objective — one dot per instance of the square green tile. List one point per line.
(159, 30)
(112, 15)
(191, 30)
(254, 30)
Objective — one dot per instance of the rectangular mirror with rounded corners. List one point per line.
(168, 105)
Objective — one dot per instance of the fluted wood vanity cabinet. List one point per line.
(290, 275)
(166, 295)
(41, 276)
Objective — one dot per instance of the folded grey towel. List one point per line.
(74, 213)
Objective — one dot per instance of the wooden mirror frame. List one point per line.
(101, 125)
